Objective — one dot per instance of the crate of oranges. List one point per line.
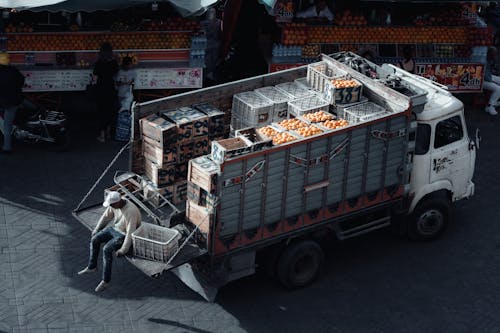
(334, 124)
(318, 116)
(283, 137)
(343, 91)
(268, 131)
(292, 123)
(307, 131)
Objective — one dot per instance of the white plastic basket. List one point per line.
(252, 108)
(155, 242)
(318, 74)
(294, 89)
(363, 112)
(279, 100)
(308, 104)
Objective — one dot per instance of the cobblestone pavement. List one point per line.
(377, 283)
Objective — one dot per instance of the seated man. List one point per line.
(127, 218)
(319, 10)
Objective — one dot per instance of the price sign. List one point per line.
(456, 77)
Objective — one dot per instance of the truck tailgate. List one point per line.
(89, 217)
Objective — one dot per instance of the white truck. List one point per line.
(400, 157)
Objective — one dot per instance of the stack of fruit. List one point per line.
(308, 130)
(335, 124)
(318, 116)
(282, 138)
(348, 18)
(294, 34)
(292, 124)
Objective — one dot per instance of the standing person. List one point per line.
(124, 80)
(319, 10)
(104, 72)
(491, 82)
(127, 218)
(212, 26)
(408, 64)
(11, 96)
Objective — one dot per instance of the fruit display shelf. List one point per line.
(63, 41)
(393, 34)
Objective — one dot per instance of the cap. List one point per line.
(111, 198)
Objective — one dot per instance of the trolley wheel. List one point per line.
(300, 264)
(429, 219)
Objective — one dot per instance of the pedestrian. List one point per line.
(408, 64)
(116, 238)
(491, 82)
(11, 96)
(104, 72)
(124, 80)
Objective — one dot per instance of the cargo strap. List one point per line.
(244, 178)
(102, 175)
(320, 159)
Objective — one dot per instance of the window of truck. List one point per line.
(448, 131)
(423, 139)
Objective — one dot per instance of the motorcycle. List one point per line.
(34, 124)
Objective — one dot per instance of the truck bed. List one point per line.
(89, 217)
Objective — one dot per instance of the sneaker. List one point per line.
(101, 286)
(491, 110)
(87, 270)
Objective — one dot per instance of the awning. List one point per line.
(184, 7)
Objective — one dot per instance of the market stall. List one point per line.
(58, 55)
(448, 44)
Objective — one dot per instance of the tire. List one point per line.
(300, 264)
(429, 219)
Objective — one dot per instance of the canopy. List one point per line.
(184, 7)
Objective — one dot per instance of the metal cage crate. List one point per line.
(363, 112)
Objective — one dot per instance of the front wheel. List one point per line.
(429, 219)
(300, 264)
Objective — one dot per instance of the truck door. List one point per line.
(450, 156)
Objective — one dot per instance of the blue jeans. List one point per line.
(113, 241)
(8, 119)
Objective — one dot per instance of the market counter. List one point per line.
(151, 76)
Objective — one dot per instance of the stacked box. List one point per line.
(308, 104)
(160, 130)
(162, 157)
(158, 175)
(203, 172)
(179, 194)
(251, 109)
(227, 148)
(254, 138)
(190, 123)
(279, 99)
(216, 126)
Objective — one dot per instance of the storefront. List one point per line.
(448, 40)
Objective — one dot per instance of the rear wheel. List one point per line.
(429, 219)
(300, 264)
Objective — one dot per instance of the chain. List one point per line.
(101, 176)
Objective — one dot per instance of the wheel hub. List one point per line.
(430, 222)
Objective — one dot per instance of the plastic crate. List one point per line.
(252, 108)
(363, 112)
(155, 242)
(307, 105)
(302, 81)
(339, 108)
(318, 74)
(295, 90)
(342, 95)
(279, 99)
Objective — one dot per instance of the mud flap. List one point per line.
(196, 282)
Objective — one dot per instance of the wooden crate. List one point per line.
(190, 123)
(199, 215)
(159, 176)
(161, 131)
(216, 117)
(199, 196)
(179, 192)
(161, 156)
(227, 148)
(203, 172)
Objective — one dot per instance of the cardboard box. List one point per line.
(161, 156)
(190, 122)
(199, 216)
(227, 148)
(159, 176)
(161, 131)
(203, 172)
(200, 197)
(179, 192)
(216, 127)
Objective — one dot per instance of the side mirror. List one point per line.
(475, 142)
